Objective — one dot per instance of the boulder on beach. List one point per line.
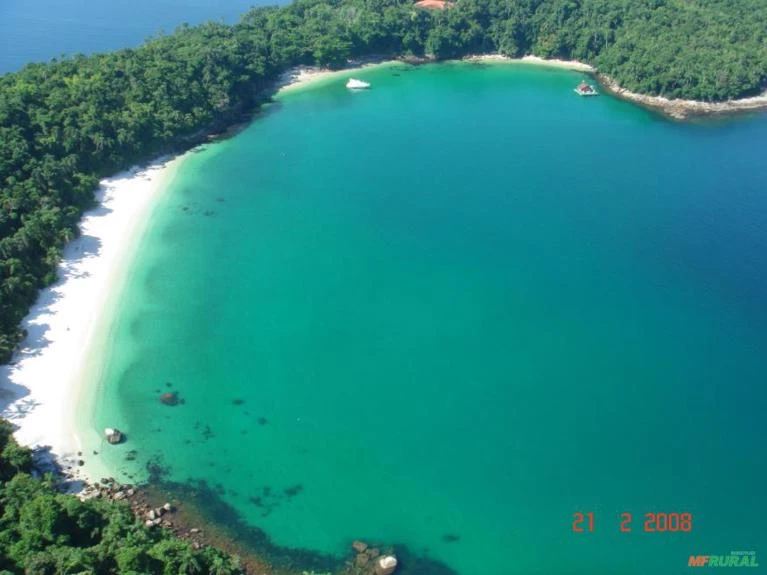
(386, 565)
(170, 398)
(113, 435)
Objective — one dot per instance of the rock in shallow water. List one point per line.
(386, 565)
(362, 560)
(113, 435)
(170, 398)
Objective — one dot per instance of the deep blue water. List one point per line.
(38, 30)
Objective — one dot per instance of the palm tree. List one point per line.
(220, 566)
(189, 563)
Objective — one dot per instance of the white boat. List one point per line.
(354, 84)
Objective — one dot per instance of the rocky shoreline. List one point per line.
(163, 516)
(683, 109)
(186, 524)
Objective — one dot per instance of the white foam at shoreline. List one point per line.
(40, 390)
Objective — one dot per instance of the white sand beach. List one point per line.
(306, 75)
(535, 60)
(41, 389)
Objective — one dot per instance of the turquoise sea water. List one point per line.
(38, 30)
(464, 304)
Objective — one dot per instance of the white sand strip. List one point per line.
(303, 76)
(535, 60)
(41, 389)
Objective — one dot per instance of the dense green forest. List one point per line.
(65, 124)
(43, 532)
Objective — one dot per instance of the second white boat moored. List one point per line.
(354, 84)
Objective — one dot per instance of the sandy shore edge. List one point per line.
(303, 76)
(532, 60)
(44, 389)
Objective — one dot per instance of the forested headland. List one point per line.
(66, 124)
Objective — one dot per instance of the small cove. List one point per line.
(452, 311)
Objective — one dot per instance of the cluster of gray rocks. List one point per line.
(371, 561)
(154, 516)
(162, 516)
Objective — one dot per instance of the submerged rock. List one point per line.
(359, 546)
(170, 398)
(294, 490)
(450, 538)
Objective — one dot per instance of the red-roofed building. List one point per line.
(432, 4)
